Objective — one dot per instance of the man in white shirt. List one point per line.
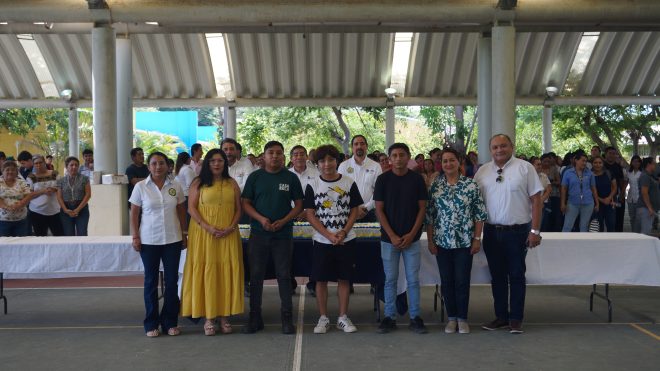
(239, 168)
(512, 193)
(302, 167)
(196, 153)
(364, 171)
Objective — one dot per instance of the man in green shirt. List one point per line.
(267, 198)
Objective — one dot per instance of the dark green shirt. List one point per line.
(271, 195)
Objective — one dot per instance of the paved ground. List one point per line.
(100, 329)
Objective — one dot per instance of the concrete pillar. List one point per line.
(547, 129)
(230, 122)
(104, 96)
(389, 126)
(503, 80)
(484, 99)
(124, 103)
(74, 142)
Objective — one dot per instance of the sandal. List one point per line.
(153, 333)
(226, 328)
(209, 328)
(174, 331)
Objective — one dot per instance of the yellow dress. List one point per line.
(213, 274)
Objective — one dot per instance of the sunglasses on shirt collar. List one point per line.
(499, 178)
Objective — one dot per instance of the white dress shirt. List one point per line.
(160, 221)
(507, 202)
(185, 177)
(311, 172)
(365, 177)
(240, 171)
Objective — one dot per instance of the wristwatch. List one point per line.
(535, 231)
(476, 238)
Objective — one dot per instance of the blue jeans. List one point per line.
(455, 266)
(151, 257)
(17, 228)
(643, 221)
(411, 261)
(606, 218)
(75, 226)
(506, 250)
(572, 212)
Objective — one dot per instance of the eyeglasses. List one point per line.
(500, 178)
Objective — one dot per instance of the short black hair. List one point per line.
(135, 151)
(234, 142)
(88, 151)
(402, 146)
(359, 136)
(49, 156)
(327, 150)
(298, 146)
(69, 159)
(452, 151)
(434, 150)
(273, 143)
(157, 153)
(610, 148)
(194, 148)
(646, 161)
(24, 156)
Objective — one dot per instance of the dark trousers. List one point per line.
(619, 212)
(260, 250)
(42, 223)
(455, 267)
(75, 226)
(606, 216)
(506, 250)
(17, 228)
(553, 219)
(151, 256)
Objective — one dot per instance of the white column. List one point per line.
(230, 122)
(74, 143)
(547, 129)
(124, 103)
(389, 127)
(503, 80)
(104, 88)
(484, 100)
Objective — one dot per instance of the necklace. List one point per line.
(71, 185)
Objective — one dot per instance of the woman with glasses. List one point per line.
(578, 194)
(73, 193)
(44, 208)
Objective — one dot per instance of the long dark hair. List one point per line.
(205, 175)
(181, 160)
(636, 157)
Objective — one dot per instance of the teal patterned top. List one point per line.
(453, 211)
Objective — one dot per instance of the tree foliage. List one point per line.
(151, 141)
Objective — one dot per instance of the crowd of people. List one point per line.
(198, 201)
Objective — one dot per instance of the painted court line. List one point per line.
(297, 352)
(647, 332)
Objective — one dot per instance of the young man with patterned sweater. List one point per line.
(331, 203)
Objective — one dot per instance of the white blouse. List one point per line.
(160, 221)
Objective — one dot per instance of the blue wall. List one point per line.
(182, 124)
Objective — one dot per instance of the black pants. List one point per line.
(41, 224)
(261, 249)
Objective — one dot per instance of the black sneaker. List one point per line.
(255, 323)
(288, 327)
(417, 326)
(515, 327)
(386, 325)
(495, 324)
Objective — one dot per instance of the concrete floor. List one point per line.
(100, 329)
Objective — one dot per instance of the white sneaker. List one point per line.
(451, 327)
(344, 323)
(322, 326)
(463, 327)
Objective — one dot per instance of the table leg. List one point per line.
(605, 297)
(376, 302)
(161, 280)
(436, 296)
(2, 290)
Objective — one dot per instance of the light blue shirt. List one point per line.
(579, 188)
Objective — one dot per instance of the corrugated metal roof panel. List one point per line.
(297, 65)
(17, 78)
(69, 58)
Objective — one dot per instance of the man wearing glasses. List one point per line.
(512, 193)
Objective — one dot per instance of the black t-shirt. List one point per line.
(133, 171)
(616, 171)
(401, 195)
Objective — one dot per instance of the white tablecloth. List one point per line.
(562, 259)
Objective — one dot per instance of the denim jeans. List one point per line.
(75, 226)
(17, 228)
(606, 217)
(151, 256)
(506, 251)
(455, 266)
(643, 221)
(260, 250)
(572, 212)
(411, 261)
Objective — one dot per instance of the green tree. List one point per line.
(151, 141)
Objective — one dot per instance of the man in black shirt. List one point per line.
(615, 169)
(400, 196)
(136, 171)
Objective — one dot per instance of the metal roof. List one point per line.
(17, 78)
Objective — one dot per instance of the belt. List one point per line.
(512, 227)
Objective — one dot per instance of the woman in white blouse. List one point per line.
(633, 188)
(158, 219)
(44, 208)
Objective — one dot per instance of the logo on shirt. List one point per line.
(172, 192)
(284, 187)
(350, 170)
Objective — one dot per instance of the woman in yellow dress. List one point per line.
(213, 274)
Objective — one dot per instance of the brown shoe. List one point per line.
(515, 327)
(495, 324)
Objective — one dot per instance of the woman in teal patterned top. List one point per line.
(455, 214)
